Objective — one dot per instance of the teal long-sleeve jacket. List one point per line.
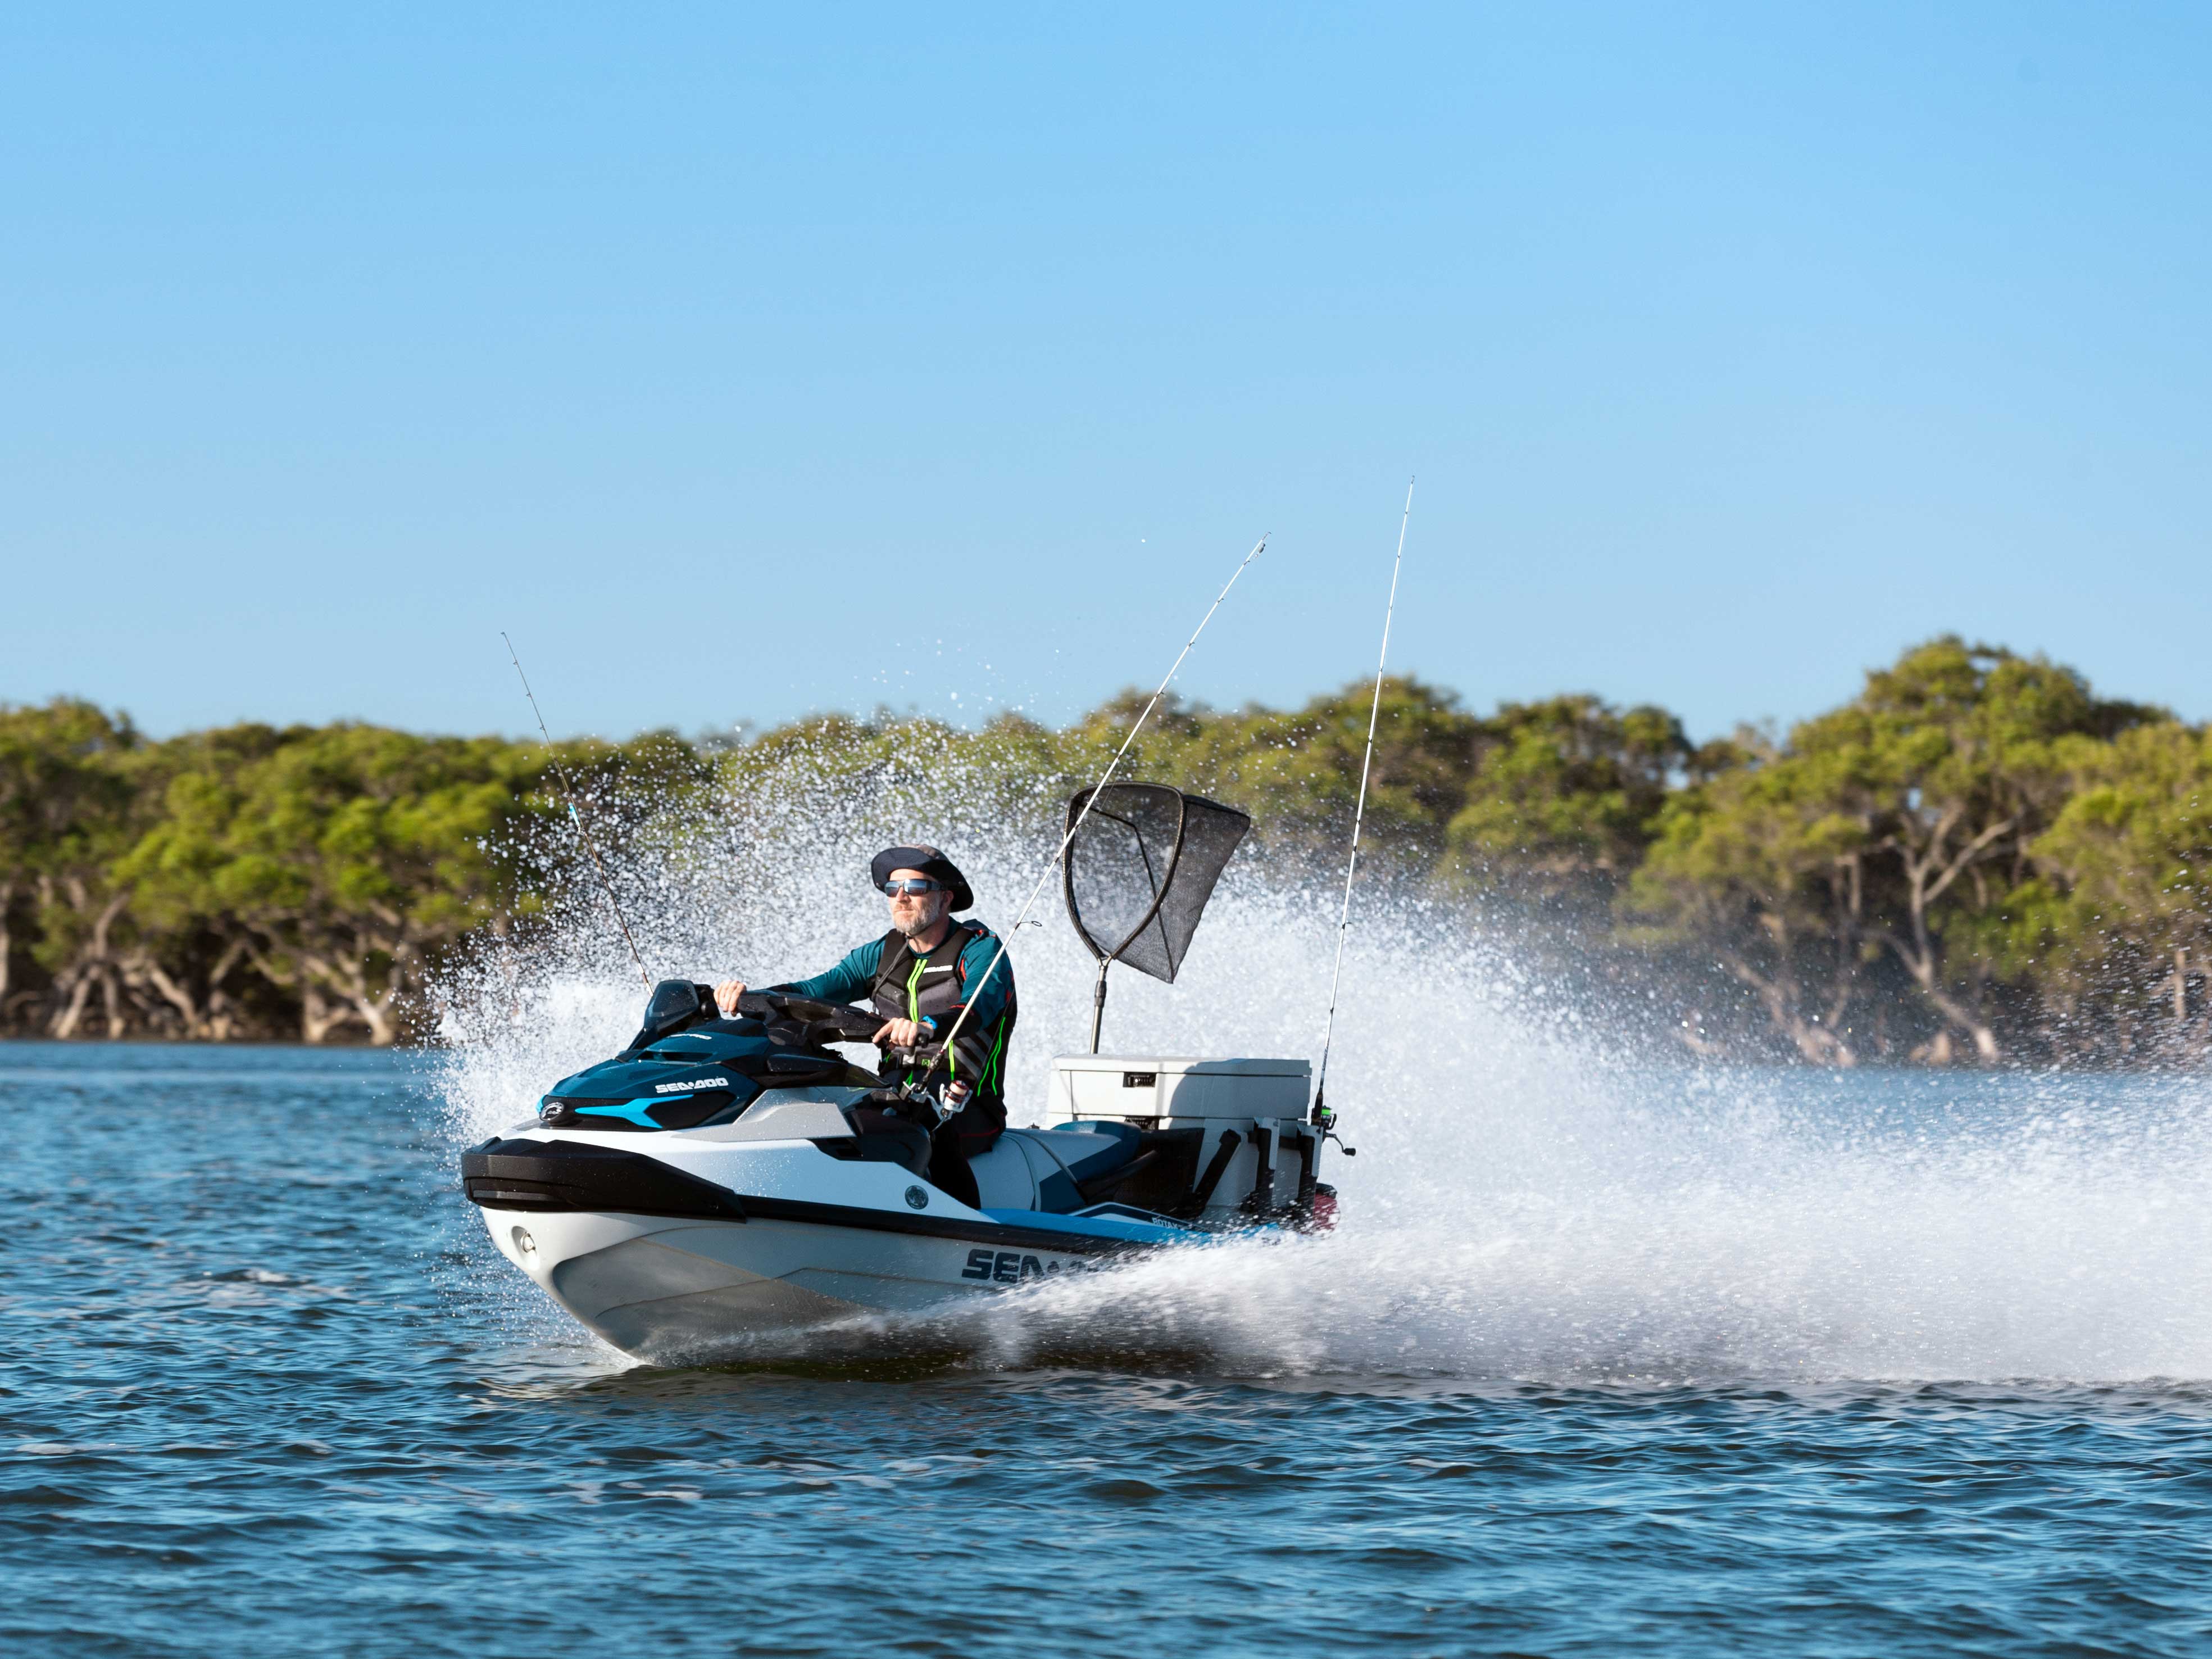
(853, 980)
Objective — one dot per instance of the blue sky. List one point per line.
(744, 362)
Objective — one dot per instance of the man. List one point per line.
(919, 976)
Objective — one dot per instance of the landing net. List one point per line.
(1140, 868)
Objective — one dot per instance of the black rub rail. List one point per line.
(558, 1175)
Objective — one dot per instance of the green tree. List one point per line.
(1565, 798)
(347, 856)
(71, 800)
(1757, 868)
(1954, 760)
(1297, 772)
(2122, 893)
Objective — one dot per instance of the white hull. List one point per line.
(653, 1286)
(822, 1241)
(685, 1242)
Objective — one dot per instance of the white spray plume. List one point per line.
(1532, 1200)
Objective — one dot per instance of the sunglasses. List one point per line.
(920, 885)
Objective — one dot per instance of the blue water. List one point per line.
(266, 1390)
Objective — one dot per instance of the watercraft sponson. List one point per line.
(708, 1184)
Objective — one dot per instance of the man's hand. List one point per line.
(726, 994)
(902, 1034)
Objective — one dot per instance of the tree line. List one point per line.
(1977, 858)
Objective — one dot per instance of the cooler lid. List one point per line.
(1240, 1066)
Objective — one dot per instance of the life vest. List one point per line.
(934, 986)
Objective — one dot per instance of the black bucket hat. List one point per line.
(931, 862)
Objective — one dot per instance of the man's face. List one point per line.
(915, 913)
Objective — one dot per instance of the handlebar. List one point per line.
(676, 1005)
(820, 1022)
(802, 1022)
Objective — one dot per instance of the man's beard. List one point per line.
(921, 924)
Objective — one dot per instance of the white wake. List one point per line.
(1531, 1198)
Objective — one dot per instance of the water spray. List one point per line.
(919, 1084)
(576, 817)
(1321, 1118)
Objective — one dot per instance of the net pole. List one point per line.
(1105, 777)
(1360, 813)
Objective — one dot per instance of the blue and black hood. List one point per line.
(688, 1067)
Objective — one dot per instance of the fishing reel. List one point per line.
(920, 1096)
(938, 1110)
(927, 1107)
(1323, 1119)
(916, 1102)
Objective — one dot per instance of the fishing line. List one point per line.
(1068, 839)
(553, 755)
(1323, 1117)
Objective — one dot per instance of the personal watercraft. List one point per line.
(711, 1184)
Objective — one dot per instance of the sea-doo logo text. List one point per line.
(1008, 1266)
(696, 1083)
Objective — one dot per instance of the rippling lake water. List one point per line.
(1773, 1363)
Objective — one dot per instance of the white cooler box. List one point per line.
(1262, 1100)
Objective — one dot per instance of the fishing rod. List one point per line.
(613, 903)
(1321, 1118)
(916, 1087)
